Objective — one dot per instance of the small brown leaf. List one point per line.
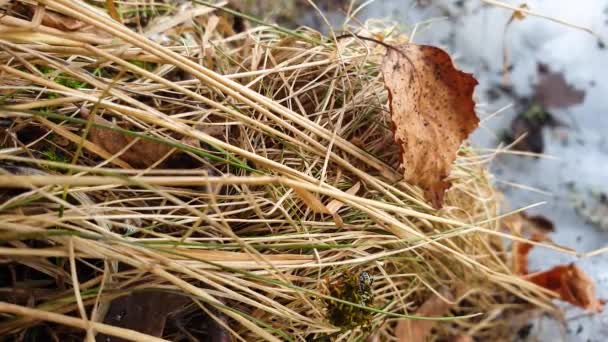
(432, 111)
(569, 282)
(571, 285)
(143, 311)
(312, 201)
(521, 250)
(142, 153)
(409, 330)
(315, 204)
(61, 22)
(537, 224)
(336, 205)
(552, 90)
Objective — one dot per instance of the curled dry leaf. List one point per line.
(409, 330)
(312, 201)
(336, 205)
(61, 22)
(537, 224)
(571, 284)
(315, 204)
(432, 112)
(142, 153)
(521, 251)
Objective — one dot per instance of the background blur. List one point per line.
(553, 97)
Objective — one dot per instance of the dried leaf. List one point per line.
(432, 111)
(312, 201)
(142, 153)
(336, 205)
(521, 250)
(144, 311)
(571, 284)
(409, 330)
(61, 22)
(113, 11)
(98, 150)
(552, 90)
(315, 204)
(537, 224)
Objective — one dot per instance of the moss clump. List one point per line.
(354, 288)
(62, 79)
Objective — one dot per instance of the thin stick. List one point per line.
(556, 20)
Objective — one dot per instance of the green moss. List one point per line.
(354, 288)
(535, 114)
(61, 78)
(51, 154)
(142, 64)
(70, 82)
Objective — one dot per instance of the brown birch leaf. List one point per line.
(432, 110)
(142, 153)
(571, 284)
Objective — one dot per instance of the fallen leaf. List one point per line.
(143, 311)
(522, 224)
(60, 21)
(410, 330)
(571, 285)
(336, 205)
(98, 150)
(569, 282)
(553, 91)
(113, 11)
(315, 204)
(142, 153)
(521, 251)
(537, 224)
(432, 112)
(312, 201)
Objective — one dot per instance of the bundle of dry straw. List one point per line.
(172, 150)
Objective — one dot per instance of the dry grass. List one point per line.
(256, 121)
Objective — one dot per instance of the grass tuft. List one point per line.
(250, 112)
